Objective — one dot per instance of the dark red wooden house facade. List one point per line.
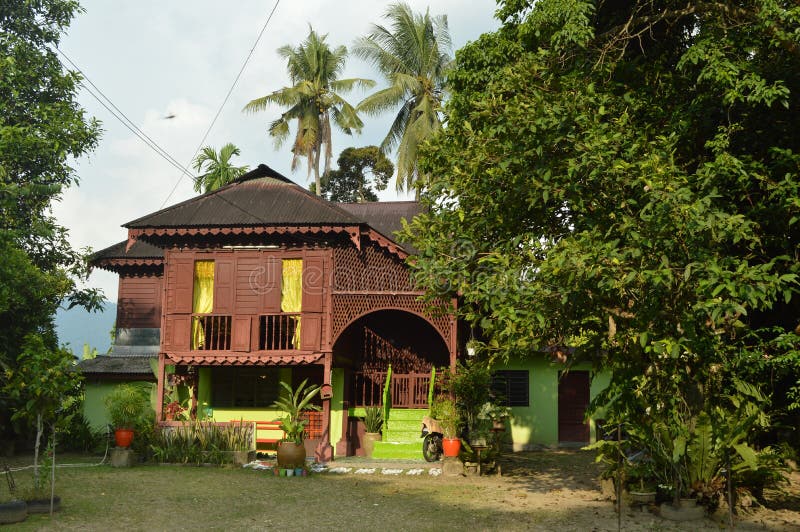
(262, 274)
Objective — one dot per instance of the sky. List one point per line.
(155, 59)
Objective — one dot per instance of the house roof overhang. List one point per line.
(244, 359)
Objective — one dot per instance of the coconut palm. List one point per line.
(216, 167)
(312, 101)
(413, 54)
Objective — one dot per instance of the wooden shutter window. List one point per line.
(271, 288)
(223, 286)
(182, 285)
(313, 284)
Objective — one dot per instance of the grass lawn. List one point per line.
(545, 491)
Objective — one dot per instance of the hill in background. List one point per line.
(77, 327)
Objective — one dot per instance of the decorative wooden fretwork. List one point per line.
(371, 269)
(378, 353)
(347, 307)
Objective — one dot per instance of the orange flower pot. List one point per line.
(451, 446)
(123, 437)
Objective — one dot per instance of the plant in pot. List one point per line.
(238, 441)
(445, 412)
(126, 405)
(373, 421)
(291, 452)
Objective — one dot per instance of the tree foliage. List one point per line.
(217, 168)
(360, 169)
(42, 129)
(623, 179)
(413, 54)
(313, 100)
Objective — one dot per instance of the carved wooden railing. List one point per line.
(408, 390)
(278, 332)
(211, 332)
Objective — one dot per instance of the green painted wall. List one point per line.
(337, 405)
(94, 407)
(537, 424)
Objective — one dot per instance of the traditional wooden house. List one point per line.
(260, 281)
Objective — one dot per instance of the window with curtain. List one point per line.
(202, 299)
(292, 293)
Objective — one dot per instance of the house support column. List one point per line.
(160, 388)
(324, 451)
(453, 344)
(344, 447)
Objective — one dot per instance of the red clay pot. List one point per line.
(451, 446)
(123, 437)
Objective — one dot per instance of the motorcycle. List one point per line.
(431, 439)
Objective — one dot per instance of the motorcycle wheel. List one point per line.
(432, 447)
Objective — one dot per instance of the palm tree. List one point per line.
(413, 54)
(313, 100)
(217, 168)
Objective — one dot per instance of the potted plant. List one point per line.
(445, 412)
(126, 405)
(291, 451)
(373, 421)
(238, 440)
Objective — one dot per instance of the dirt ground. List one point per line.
(568, 480)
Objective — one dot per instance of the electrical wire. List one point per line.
(227, 96)
(117, 113)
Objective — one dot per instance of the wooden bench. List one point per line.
(267, 433)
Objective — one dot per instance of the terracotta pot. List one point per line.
(451, 446)
(291, 455)
(123, 437)
(369, 442)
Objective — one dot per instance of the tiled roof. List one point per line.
(117, 365)
(261, 197)
(384, 216)
(139, 250)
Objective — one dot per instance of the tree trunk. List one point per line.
(36, 482)
(317, 181)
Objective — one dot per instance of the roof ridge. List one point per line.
(262, 170)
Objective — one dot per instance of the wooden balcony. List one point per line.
(234, 334)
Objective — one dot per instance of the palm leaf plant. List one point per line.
(314, 101)
(293, 403)
(412, 53)
(217, 168)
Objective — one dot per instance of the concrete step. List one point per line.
(397, 414)
(406, 425)
(389, 449)
(402, 436)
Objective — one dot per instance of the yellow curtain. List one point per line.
(292, 293)
(202, 299)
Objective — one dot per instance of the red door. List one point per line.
(573, 400)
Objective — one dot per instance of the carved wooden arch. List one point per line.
(445, 338)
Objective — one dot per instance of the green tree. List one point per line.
(357, 167)
(623, 179)
(413, 54)
(313, 100)
(41, 383)
(42, 129)
(216, 167)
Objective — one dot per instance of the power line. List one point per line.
(117, 113)
(227, 96)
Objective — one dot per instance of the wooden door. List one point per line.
(573, 400)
